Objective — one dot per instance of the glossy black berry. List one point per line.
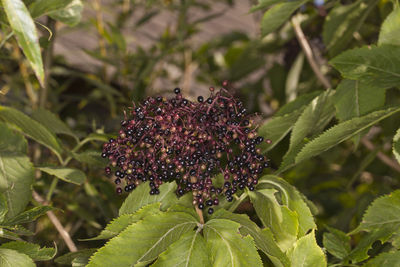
(209, 202)
(177, 90)
(201, 206)
(200, 99)
(210, 211)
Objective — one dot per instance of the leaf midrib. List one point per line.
(224, 240)
(162, 238)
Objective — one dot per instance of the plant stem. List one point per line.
(200, 213)
(57, 224)
(47, 62)
(308, 52)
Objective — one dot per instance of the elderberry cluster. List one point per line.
(190, 142)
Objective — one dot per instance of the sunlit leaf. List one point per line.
(189, 250)
(141, 197)
(227, 246)
(145, 240)
(307, 253)
(24, 29)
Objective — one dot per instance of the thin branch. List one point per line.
(308, 52)
(382, 157)
(310, 57)
(56, 222)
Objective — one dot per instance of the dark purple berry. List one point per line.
(210, 211)
(177, 90)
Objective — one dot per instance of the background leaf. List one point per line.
(283, 121)
(31, 128)
(52, 122)
(390, 29)
(376, 66)
(342, 132)
(311, 122)
(384, 259)
(29, 215)
(279, 14)
(70, 15)
(336, 243)
(396, 145)
(42, 7)
(24, 29)
(32, 250)
(341, 23)
(227, 246)
(68, 175)
(16, 178)
(11, 140)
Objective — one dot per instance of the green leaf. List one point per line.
(189, 250)
(396, 145)
(354, 99)
(70, 15)
(31, 128)
(145, 240)
(11, 140)
(90, 157)
(43, 7)
(383, 213)
(342, 132)
(52, 122)
(293, 199)
(336, 243)
(32, 250)
(119, 224)
(79, 255)
(29, 215)
(227, 246)
(12, 258)
(141, 197)
(24, 29)
(293, 77)
(384, 259)
(300, 102)
(264, 4)
(279, 14)
(3, 207)
(306, 252)
(16, 179)
(68, 175)
(360, 252)
(390, 30)
(263, 239)
(341, 23)
(283, 121)
(280, 219)
(375, 66)
(311, 122)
